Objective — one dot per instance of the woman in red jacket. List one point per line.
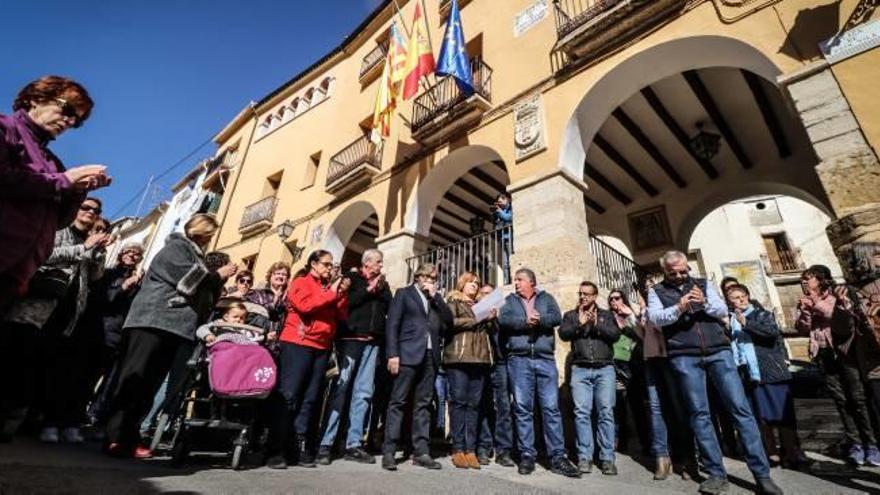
(316, 304)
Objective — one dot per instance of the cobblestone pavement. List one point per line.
(28, 467)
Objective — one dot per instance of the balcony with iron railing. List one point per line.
(371, 65)
(588, 29)
(444, 108)
(615, 270)
(784, 263)
(356, 163)
(258, 216)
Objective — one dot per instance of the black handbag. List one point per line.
(49, 283)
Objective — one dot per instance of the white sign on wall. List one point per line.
(849, 43)
(529, 17)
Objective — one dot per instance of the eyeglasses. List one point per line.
(246, 281)
(615, 298)
(95, 209)
(586, 294)
(68, 111)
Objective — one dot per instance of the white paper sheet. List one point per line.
(483, 308)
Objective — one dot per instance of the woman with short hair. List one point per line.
(177, 296)
(39, 194)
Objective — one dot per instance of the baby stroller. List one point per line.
(213, 408)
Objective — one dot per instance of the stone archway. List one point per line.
(348, 224)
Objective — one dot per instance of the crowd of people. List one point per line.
(81, 345)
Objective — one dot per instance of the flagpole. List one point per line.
(402, 20)
(428, 30)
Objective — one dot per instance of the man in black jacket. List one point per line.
(592, 331)
(416, 319)
(357, 349)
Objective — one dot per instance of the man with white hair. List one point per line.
(357, 349)
(690, 311)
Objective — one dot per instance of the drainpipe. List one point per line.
(231, 192)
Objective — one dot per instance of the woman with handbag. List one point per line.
(177, 296)
(45, 321)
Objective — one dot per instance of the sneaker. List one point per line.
(323, 456)
(358, 454)
(856, 455)
(49, 435)
(872, 456)
(526, 465)
(483, 457)
(307, 460)
(504, 459)
(388, 462)
(426, 462)
(585, 466)
(561, 465)
(276, 462)
(72, 435)
(766, 486)
(714, 486)
(608, 468)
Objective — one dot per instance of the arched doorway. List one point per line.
(353, 231)
(661, 144)
(451, 209)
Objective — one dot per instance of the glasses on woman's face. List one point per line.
(246, 281)
(68, 111)
(94, 209)
(615, 298)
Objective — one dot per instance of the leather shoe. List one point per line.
(766, 486)
(426, 461)
(504, 459)
(388, 462)
(483, 457)
(472, 460)
(608, 468)
(276, 462)
(561, 465)
(358, 454)
(459, 460)
(526, 465)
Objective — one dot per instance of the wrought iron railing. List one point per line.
(615, 270)
(374, 58)
(486, 254)
(361, 152)
(261, 211)
(571, 14)
(786, 261)
(445, 94)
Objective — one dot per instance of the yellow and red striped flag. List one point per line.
(385, 104)
(420, 55)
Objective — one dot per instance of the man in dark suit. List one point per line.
(416, 319)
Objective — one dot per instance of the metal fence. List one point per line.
(361, 151)
(571, 14)
(487, 255)
(615, 270)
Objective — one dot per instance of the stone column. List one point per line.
(397, 247)
(848, 166)
(550, 237)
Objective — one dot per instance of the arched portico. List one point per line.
(353, 223)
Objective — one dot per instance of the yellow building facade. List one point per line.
(630, 119)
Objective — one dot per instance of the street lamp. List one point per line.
(285, 230)
(705, 144)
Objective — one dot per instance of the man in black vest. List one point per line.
(416, 319)
(690, 313)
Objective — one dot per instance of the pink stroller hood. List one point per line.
(241, 371)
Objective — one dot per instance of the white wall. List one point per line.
(182, 206)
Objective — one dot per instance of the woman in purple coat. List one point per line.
(38, 194)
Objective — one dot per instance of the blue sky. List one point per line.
(165, 75)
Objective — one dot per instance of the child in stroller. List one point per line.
(239, 370)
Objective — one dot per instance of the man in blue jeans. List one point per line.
(592, 332)
(496, 426)
(527, 319)
(357, 349)
(690, 312)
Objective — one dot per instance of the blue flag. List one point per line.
(453, 60)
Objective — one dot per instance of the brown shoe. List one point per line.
(664, 467)
(459, 460)
(472, 460)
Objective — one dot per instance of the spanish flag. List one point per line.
(420, 56)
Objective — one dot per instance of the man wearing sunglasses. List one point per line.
(39, 194)
(690, 311)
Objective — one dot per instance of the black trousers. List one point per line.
(67, 375)
(420, 381)
(844, 383)
(300, 377)
(18, 364)
(146, 359)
